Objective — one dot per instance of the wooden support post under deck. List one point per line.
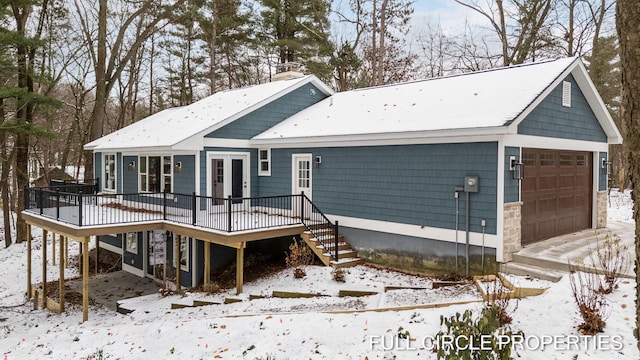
(176, 246)
(66, 251)
(53, 248)
(28, 261)
(207, 265)
(61, 270)
(80, 258)
(239, 268)
(97, 253)
(44, 266)
(85, 278)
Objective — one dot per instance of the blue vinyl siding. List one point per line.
(270, 114)
(111, 240)
(511, 187)
(184, 180)
(551, 119)
(129, 176)
(97, 168)
(411, 184)
(602, 173)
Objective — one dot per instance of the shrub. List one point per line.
(591, 302)
(502, 299)
(299, 255)
(338, 274)
(479, 338)
(611, 259)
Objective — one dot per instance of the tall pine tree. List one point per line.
(299, 31)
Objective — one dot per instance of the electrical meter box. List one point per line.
(471, 184)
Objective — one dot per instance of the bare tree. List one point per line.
(518, 26)
(109, 65)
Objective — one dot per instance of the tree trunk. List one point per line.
(24, 116)
(382, 48)
(4, 183)
(99, 109)
(628, 26)
(212, 47)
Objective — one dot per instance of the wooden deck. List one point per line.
(84, 234)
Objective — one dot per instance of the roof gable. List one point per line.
(183, 128)
(551, 118)
(270, 114)
(487, 102)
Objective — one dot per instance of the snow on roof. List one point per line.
(168, 128)
(485, 99)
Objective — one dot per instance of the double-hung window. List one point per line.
(155, 173)
(264, 162)
(109, 175)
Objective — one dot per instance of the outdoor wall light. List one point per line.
(516, 168)
(606, 166)
(178, 166)
(317, 161)
(132, 165)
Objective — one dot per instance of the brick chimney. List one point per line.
(288, 70)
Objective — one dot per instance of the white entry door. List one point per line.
(228, 176)
(302, 179)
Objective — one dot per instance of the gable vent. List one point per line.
(566, 94)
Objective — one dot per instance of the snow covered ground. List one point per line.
(273, 328)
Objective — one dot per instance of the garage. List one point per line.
(556, 193)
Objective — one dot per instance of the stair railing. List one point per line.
(315, 220)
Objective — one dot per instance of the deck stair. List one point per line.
(323, 245)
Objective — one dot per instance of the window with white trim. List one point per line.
(131, 242)
(264, 162)
(155, 173)
(184, 252)
(566, 94)
(109, 174)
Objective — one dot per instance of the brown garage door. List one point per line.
(556, 193)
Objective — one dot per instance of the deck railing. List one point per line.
(326, 232)
(69, 204)
(223, 214)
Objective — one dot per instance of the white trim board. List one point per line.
(541, 142)
(133, 270)
(114, 249)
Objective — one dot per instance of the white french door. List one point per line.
(154, 258)
(228, 176)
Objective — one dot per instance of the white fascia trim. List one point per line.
(133, 270)
(406, 138)
(490, 240)
(112, 248)
(541, 142)
(157, 153)
(226, 143)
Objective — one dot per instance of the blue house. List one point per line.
(421, 175)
